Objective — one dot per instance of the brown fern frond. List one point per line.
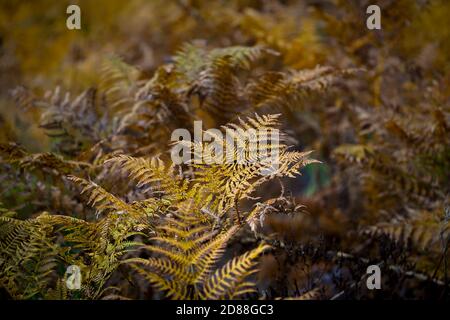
(13, 153)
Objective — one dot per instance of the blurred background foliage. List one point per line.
(39, 52)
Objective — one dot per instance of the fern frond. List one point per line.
(228, 281)
(190, 60)
(424, 235)
(27, 253)
(15, 154)
(222, 184)
(172, 288)
(152, 172)
(102, 200)
(118, 80)
(278, 90)
(208, 255)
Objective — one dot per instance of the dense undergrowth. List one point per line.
(87, 177)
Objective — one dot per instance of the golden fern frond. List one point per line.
(180, 259)
(102, 200)
(221, 185)
(30, 253)
(163, 266)
(172, 289)
(198, 250)
(189, 233)
(207, 255)
(152, 207)
(104, 242)
(152, 172)
(291, 162)
(184, 219)
(28, 256)
(182, 245)
(188, 254)
(228, 281)
(82, 234)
